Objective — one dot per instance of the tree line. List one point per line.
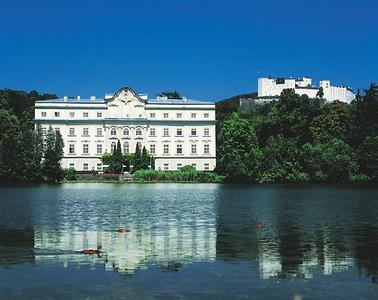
(297, 139)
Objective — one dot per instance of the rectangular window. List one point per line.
(179, 166)
(206, 115)
(57, 114)
(194, 149)
(194, 166)
(193, 132)
(206, 166)
(57, 130)
(179, 149)
(166, 167)
(85, 131)
(206, 149)
(43, 114)
(99, 148)
(165, 132)
(152, 149)
(152, 132)
(85, 115)
(99, 132)
(71, 149)
(165, 115)
(99, 166)
(85, 148)
(166, 149)
(194, 115)
(72, 114)
(179, 132)
(85, 166)
(179, 115)
(72, 131)
(99, 115)
(206, 132)
(152, 115)
(72, 165)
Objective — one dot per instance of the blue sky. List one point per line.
(207, 50)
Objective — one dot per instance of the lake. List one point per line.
(189, 241)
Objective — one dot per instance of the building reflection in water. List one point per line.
(168, 245)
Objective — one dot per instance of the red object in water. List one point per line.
(122, 230)
(90, 252)
(258, 225)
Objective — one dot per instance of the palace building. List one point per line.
(177, 132)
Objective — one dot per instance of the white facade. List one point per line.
(177, 132)
(268, 87)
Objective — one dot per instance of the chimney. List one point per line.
(65, 98)
(93, 98)
(78, 98)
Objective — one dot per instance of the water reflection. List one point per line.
(305, 231)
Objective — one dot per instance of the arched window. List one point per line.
(125, 147)
(138, 132)
(113, 147)
(113, 131)
(126, 132)
(139, 145)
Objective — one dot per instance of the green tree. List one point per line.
(145, 160)
(239, 154)
(320, 93)
(137, 161)
(170, 95)
(51, 168)
(368, 156)
(335, 121)
(115, 160)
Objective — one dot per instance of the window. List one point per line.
(165, 132)
(71, 149)
(85, 149)
(139, 145)
(152, 149)
(194, 115)
(43, 114)
(166, 167)
(206, 115)
(113, 131)
(112, 146)
(179, 166)
(99, 148)
(179, 132)
(179, 115)
(138, 132)
(126, 132)
(206, 166)
(194, 166)
(165, 115)
(126, 147)
(166, 149)
(206, 132)
(72, 114)
(57, 130)
(99, 132)
(206, 149)
(85, 115)
(152, 132)
(99, 166)
(152, 115)
(179, 149)
(72, 131)
(72, 165)
(99, 115)
(57, 114)
(44, 131)
(194, 148)
(85, 166)
(140, 115)
(193, 131)
(85, 132)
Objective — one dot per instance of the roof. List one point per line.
(149, 101)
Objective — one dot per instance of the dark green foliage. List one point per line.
(367, 154)
(238, 150)
(137, 160)
(228, 106)
(176, 176)
(144, 160)
(114, 161)
(53, 154)
(70, 174)
(170, 95)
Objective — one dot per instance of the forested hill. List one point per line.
(230, 105)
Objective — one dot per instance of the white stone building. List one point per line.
(177, 132)
(269, 88)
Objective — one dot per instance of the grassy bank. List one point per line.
(183, 176)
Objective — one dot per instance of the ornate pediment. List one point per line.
(126, 104)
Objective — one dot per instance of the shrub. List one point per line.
(177, 176)
(69, 174)
(110, 176)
